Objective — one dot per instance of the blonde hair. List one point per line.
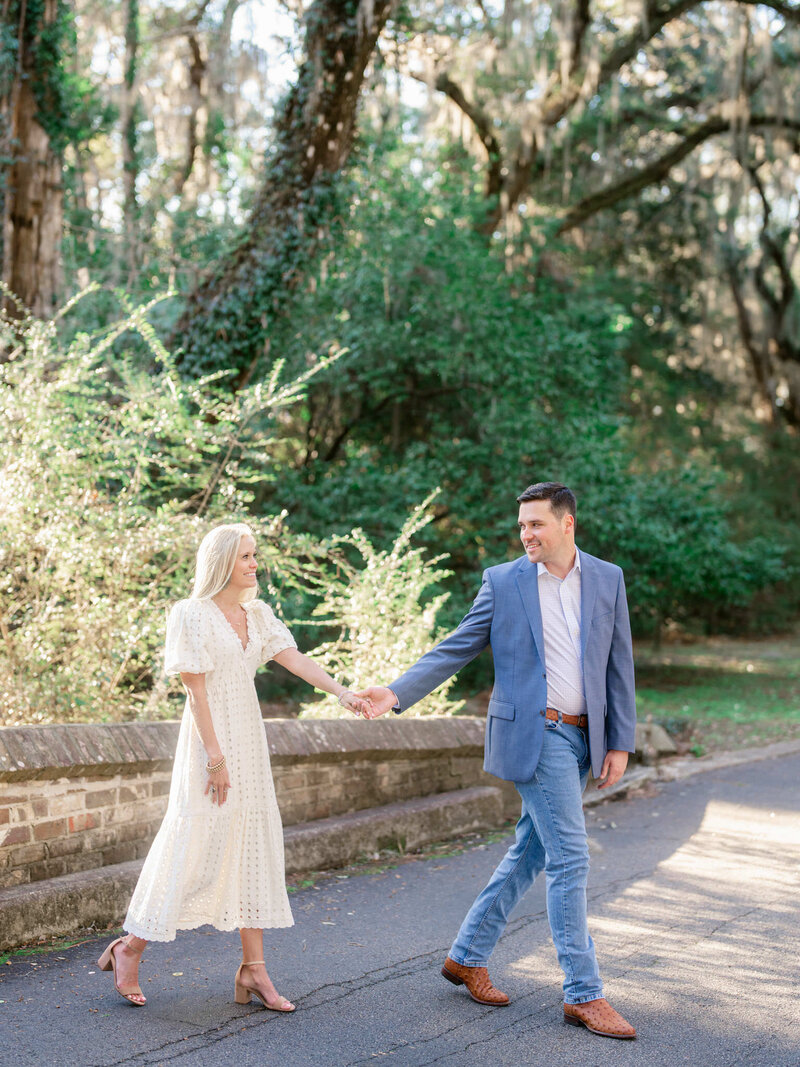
(216, 557)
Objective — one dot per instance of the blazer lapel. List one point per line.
(588, 597)
(528, 585)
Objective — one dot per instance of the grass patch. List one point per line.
(722, 694)
(45, 947)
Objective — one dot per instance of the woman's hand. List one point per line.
(218, 785)
(219, 782)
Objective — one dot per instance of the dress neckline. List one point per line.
(244, 647)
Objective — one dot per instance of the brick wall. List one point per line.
(74, 798)
(48, 828)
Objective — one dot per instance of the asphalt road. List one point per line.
(694, 894)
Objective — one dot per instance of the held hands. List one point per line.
(380, 700)
(354, 702)
(613, 768)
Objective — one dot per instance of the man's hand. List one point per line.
(380, 699)
(613, 768)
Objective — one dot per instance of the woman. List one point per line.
(218, 856)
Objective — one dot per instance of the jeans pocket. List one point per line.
(586, 759)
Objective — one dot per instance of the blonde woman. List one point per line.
(218, 857)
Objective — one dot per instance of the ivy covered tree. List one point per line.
(35, 99)
(538, 234)
(228, 319)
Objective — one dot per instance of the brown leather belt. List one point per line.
(570, 720)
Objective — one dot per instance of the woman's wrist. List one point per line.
(216, 764)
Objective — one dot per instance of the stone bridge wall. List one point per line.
(80, 797)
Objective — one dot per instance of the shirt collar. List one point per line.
(576, 566)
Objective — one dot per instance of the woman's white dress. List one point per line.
(221, 866)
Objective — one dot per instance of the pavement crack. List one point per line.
(489, 1034)
(188, 1044)
(233, 1025)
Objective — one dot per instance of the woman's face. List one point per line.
(246, 565)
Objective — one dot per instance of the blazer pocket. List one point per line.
(501, 710)
(602, 617)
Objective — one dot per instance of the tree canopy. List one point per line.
(513, 241)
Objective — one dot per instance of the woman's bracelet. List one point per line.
(344, 693)
(217, 766)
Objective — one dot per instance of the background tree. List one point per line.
(228, 318)
(575, 112)
(543, 240)
(34, 112)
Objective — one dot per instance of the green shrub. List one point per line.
(110, 476)
(383, 613)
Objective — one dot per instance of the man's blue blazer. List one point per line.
(506, 615)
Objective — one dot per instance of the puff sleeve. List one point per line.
(188, 639)
(275, 637)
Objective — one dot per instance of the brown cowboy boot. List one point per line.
(599, 1017)
(477, 980)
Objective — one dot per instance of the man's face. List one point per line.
(544, 535)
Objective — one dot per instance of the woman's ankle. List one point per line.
(135, 945)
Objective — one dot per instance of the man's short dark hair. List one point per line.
(561, 498)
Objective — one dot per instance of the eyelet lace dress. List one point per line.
(221, 866)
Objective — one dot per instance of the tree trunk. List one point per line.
(227, 321)
(32, 207)
(130, 153)
(195, 127)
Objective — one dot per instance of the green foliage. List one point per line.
(460, 371)
(465, 373)
(722, 693)
(672, 532)
(473, 364)
(111, 474)
(383, 612)
(110, 477)
(245, 295)
(41, 37)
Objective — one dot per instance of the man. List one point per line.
(563, 700)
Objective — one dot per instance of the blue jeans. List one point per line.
(550, 835)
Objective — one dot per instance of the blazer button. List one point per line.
(543, 711)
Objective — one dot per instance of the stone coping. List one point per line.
(80, 749)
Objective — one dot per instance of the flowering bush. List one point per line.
(111, 473)
(113, 468)
(380, 607)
